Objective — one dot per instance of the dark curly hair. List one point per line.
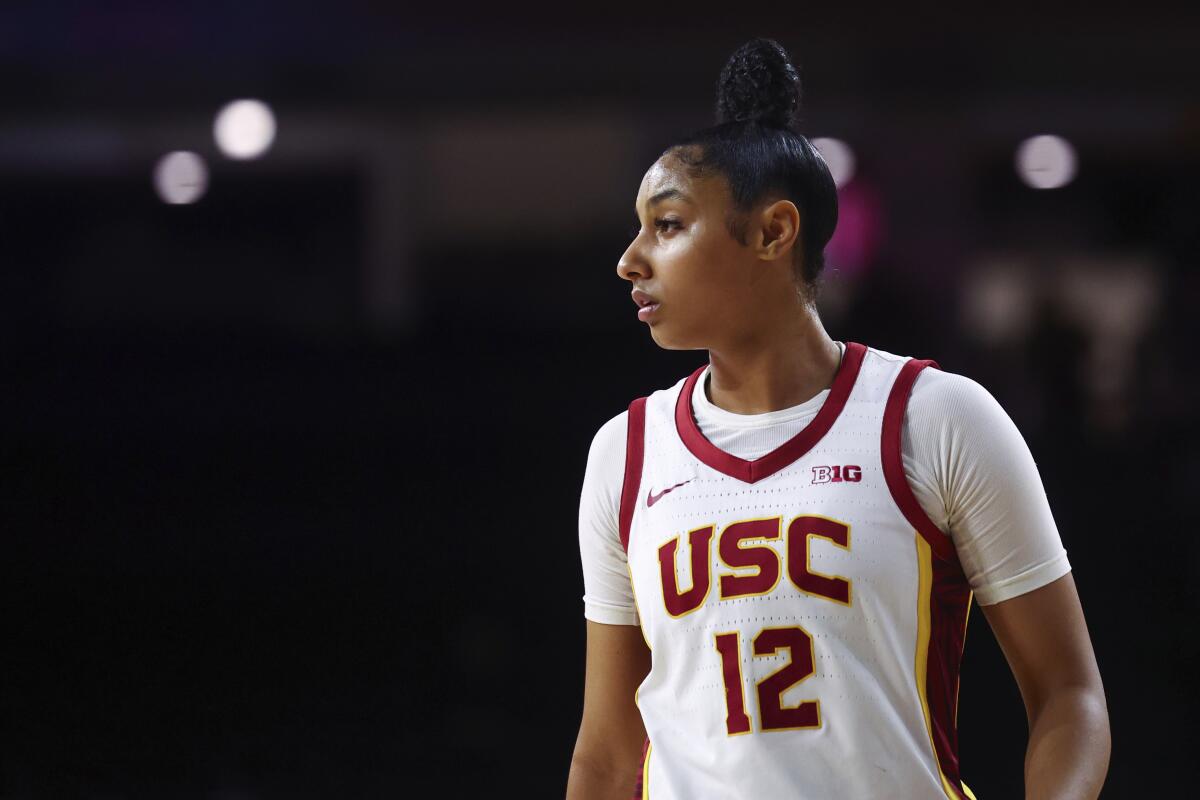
(755, 146)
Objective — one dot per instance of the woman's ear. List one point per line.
(779, 226)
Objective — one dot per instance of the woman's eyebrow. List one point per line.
(669, 194)
(666, 194)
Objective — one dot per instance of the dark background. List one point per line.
(291, 473)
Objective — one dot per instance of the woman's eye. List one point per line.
(659, 223)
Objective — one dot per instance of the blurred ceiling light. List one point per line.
(838, 157)
(244, 129)
(1046, 162)
(180, 177)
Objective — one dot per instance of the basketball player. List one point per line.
(780, 550)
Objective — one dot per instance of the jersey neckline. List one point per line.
(764, 466)
(706, 413)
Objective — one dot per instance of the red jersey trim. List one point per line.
(786, 453)
(893, 463)
(949, 597)
(944, 602)
(950, 603)
(634, 443)
(642, 785)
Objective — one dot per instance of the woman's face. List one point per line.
(695, 285)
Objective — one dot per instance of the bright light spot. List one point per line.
(1046, 162)
(838, 157)
(244, 129)
(180, 177)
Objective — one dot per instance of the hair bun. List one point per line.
(759, 83)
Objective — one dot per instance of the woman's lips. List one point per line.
(647, 304)
(646, 312)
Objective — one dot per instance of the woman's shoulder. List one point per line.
(942, 396)
(954, 408)
(610, 438)
(953, 394)
(611, 433)
(936, 386)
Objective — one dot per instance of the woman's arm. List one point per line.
(975, 477)
(1044, 637)
(609, 748)
(607, 753)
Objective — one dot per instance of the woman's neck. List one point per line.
(784, 370)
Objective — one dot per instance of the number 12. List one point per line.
(774, 715)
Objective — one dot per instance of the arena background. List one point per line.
(291, 471)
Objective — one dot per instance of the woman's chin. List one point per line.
(671, 340)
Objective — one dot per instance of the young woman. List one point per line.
(780, 550)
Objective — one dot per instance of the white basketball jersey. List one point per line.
(805, 617)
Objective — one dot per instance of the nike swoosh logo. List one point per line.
(652, 498)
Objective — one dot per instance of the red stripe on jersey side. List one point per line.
(949, 600)
(950, 594)
(893, 463)
(639, 786)
(634, 444)
(635, 438)
(786, 453)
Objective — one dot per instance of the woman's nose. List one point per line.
(632, 265)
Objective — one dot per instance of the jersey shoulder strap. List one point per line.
(634, 446)
(893, 462)
(635, 438)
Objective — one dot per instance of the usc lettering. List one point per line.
(754, 567)
(679, 603)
